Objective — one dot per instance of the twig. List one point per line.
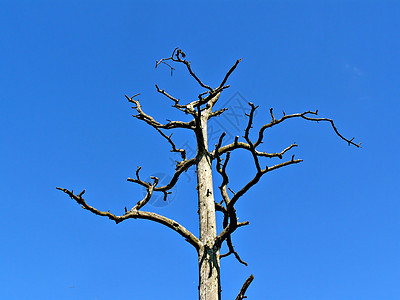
(229, 72)
(244, 288)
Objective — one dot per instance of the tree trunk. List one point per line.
(209, 269)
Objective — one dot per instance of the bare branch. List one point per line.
(221, 169)
(349, 141)
(183, 166)
(217, 113)
(284, 164)
(241, 145)
(257, 177)
(304, 115)
(150, 120)
(167, 95)
(138, 180)
(211, 99)
(163, 61)
(149, 193)
(135, 214)
(230, 211)
(229, 214)
(200, 96)
(246, 136)
(219, 207)
(174, 149)
(230, 206)
(244, 288)
(230, 72)
(228, 230)
(137, 172)
(178, 56)
(248, 146)
(232, 251)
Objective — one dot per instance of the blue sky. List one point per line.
(324, 229)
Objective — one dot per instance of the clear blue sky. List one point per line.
(324, 229)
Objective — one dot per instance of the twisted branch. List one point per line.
(231, 250)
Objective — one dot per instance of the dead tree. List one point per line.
(209, 241)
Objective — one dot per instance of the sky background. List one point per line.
(327, 228)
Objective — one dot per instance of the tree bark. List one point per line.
(209, 268)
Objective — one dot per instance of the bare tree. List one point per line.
(209, 242)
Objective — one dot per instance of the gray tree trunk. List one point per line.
(209, 268)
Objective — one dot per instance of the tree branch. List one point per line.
(174, 149)
(246, 136)
(304, 115)
(231, 212)
(163, 92)
(178, 56)
(149, 193)
(219, 207)
(136, 214)
(150, 120)
(182, 166)
(229, 72)
(244, 288)
(242, 145)
(221, 169)
(229, 229)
